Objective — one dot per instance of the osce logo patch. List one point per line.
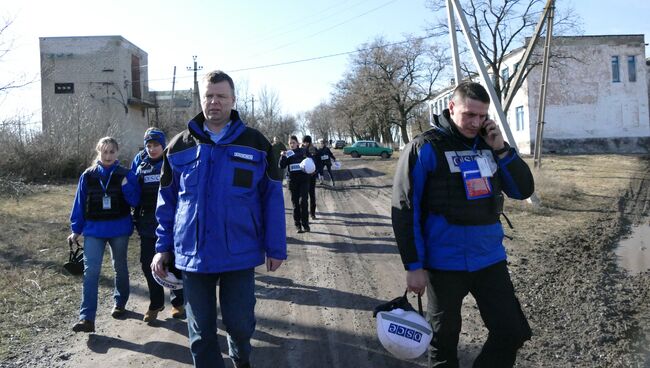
(404, 332)
(244, 156)
(151, 178)
(454, 158)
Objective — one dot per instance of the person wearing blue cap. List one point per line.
(148, 173)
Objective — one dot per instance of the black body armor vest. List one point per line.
(445, 192)
(95, 196)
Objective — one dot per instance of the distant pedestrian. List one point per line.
(148, 173)
(312, 152)
(299, 182)
(278, 147)
(102, 214)
(446, 209)
(326, 158)
(221, 213)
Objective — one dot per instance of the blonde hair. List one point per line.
(103, 142)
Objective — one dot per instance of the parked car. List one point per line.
(339, 144)
(367, 148)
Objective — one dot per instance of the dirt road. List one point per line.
(316, 311)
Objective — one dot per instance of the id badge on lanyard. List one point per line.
(476, 185)
(106, 202)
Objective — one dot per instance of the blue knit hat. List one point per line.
(155, 135)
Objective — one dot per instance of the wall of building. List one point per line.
(584, 106)
(102, 102)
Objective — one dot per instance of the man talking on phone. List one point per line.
(446, 207)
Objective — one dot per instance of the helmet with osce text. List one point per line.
(173, 280)
(307, 165)
(401, 330)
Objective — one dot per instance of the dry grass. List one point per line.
(36, 293)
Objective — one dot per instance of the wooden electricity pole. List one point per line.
(539, 134)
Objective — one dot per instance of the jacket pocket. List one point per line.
(243, 230)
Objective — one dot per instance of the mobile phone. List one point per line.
(483, 131)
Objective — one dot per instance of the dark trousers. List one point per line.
(312, 195)
(156, 291)
(499, 308)
(237, 304)
(329, 169)
(299, 195)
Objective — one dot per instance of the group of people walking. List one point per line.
(302, 184)
(210, 203)
(110, 201)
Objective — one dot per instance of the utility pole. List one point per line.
(171, 102)
(537, 157)
(253, 106)
(196, 83)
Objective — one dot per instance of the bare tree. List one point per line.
(6, 44)
(500, 27)
(393, 79)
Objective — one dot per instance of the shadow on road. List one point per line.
(343, 247)
(101, 344)
(286, 289)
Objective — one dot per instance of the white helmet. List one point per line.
(401, 330)
(170, 281)
(307, 165)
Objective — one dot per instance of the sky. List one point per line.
(244, 38)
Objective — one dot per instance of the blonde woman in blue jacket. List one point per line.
(102, 214)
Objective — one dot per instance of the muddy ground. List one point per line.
(316, 311)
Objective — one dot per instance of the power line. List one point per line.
(330, 55)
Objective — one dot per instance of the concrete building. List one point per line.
(597, 97)
(95, 86)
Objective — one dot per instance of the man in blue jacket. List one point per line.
(221, 211)
(446, 206)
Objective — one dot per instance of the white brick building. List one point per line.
(96, 85)
(597, 96)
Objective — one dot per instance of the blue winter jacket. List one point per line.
(220, 206)
(104, 228)
(428, 240)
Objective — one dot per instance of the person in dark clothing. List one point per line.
(446, 206)
(278, 147)
(298, 183)
(102, 214)
(148, 173)
(311, 151)
(326, 158)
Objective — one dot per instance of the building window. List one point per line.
(631, 68)
(63, 88)
(136, 90)
(616, 77)
(519, 112)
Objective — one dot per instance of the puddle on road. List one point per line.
(633, 252)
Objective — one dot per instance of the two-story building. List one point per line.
(95, 86)
(597, 96)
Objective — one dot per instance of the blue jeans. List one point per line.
(237, 301)
(93, 255)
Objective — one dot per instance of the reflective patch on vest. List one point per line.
(295, 167)
(245, 156)
(455, 158)
(151, 178)
(324, 157)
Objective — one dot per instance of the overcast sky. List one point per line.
(245, 37)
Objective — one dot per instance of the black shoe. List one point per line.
(118, 312)
(307, 229)
(299, 229)
(84, 326)
(313, 217)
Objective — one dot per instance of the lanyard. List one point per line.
(105, 186)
